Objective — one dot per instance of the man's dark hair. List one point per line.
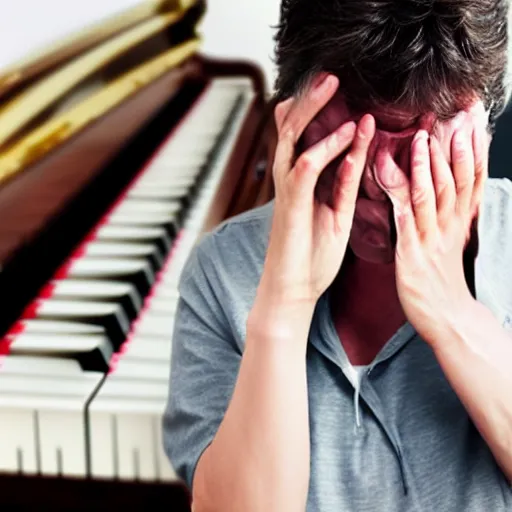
(420, 55)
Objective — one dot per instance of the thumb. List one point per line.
(392, 180)
(395, 184)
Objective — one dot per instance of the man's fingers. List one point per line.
(423, 197)
(293, 116)
(281, 111)
(463, 165)
(351, 171)
(312, 162)
(306, 107)
(444, 183)
(481, 151)
(396, 185)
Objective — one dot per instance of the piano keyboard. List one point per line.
(84, 373)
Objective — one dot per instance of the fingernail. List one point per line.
(326, 82)
(366, 127)
(349, 129)
(319, 80)
(420, 142)
(421, 135)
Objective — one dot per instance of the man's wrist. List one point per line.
(461, 326)
(276, 318)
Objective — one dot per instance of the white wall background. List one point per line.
(232, 28)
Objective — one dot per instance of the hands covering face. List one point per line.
(434, 176)
(434, 209)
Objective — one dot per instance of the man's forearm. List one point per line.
(476, 357)
(259, 459)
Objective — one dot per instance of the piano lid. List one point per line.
(52, 55)
(55, 107)
(54, 132)
(34, 100)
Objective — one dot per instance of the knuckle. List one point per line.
(442, 189)
(465, 182)
(349, 164)
(459, 155)
(459, 150)
(419, 195)
(480, 168)
(286, 134)
(305, 164)
(419, 161)
(280, 112)
(348, 177)
(361, 141)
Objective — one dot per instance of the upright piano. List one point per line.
(119, 148)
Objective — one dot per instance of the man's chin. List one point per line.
(383, 254)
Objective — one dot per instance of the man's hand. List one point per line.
(433, 212)
(309, 238)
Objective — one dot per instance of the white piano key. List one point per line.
(44, 385)
(163, 292)
(42, 426)
(63, 288)
(142, 207)
(52, 308)
(163, 306)
(141, 347)
(33, 365)
(127, 250)
(166, 178)
(134, 219)
(132, 234)
(120, 404)
(120, 387)
(98, 268)
(68, 345)
(159, 193)
(156, 325)
(19, 448)
(142, 369)
(178, 164)
(126, 439)
(51, 326)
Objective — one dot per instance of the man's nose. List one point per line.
(403, 156)
(398, 147)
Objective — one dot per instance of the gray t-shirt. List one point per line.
(398, 440)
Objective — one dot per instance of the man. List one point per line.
(342, 349)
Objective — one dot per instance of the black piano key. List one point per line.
(127, 234)
(109, 316)
(93, 352)
(117, 251)
(136, 272)
(120, 293)
(184, 194)
(171, 223)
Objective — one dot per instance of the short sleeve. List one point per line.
(204, 366)
(494, 263)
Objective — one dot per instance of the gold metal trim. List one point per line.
(72, 45)
(26, 106)
(56, 131)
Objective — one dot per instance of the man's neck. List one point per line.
(365, 308)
